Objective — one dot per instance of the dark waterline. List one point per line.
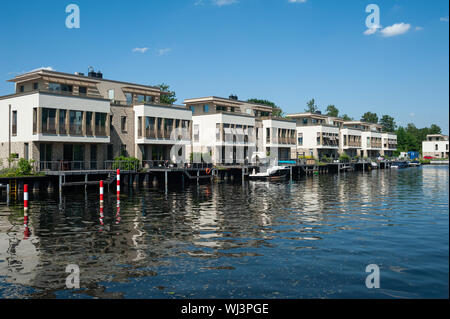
(311, 238)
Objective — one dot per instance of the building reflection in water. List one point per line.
(145, 231)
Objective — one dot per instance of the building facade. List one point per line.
(436, 145)
(81, 121)
(231, 131)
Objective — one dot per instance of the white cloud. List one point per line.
(47, 68)
(418, 28)
(221, 3)
(164, 51)
(372, 30)
(395, 29)
(444, 19)
(198, 3)
(297, 1)
(140, 50)
(412, 114)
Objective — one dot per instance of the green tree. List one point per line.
(276, 111)
(388, 123)
(434, 129)
(370, 117)
(168, 97)
(345, 117)
(263, 102)
(311, 106)
(332, 111)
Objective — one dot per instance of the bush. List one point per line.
(20, 168)
(326, 159)
(126, 163)
(344, 158)
(24, 167)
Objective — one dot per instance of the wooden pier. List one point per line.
(165, 176)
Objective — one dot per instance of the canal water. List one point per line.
(311, 238)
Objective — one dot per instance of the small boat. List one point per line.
(273, 173)
(374, 165)
(415, 163)
(399, 165)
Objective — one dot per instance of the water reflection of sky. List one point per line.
(309, 238)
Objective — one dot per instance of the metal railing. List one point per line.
(43, 166)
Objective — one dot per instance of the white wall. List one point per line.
(310, 135)
(369, 134)
(24, 106)
(430, 146)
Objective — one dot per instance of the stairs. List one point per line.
(13, 188)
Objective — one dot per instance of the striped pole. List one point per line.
(25, 197)
(102, 216)
(101, 192)
(118, 187)
(118, 218)
(26, 231)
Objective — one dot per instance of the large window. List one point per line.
(34, 120)
(49, 121)
(129, 97)
(82, 90)
(123, 123)
(159, 128)
(62, 121)
(168, 127)
(76, 122)
(58, 88)
(300, 139)
(150, 127)
(196, 133)
(89, 126)
(14, 123)
(100, 124)
(206, 108)
(139, 126)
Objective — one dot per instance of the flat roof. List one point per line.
(29, 75)
(226, 100)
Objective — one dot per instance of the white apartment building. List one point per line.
(162, 132)
(371, 137)
(436, 145)
(389, 144)
(77, 122)
(317, 135)
(231, 131)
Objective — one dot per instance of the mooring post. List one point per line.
(7, 194)
(182, 180)
(86, 180)
(290, 173)
(60, 184)
(198, 174)
(166, 180)
(25, 197)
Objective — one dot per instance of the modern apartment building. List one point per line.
(317, 135)
(84, 120)
(233, 131)
(389, 144)
(371, 137)
(436, 145)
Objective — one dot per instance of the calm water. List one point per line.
(311, 238)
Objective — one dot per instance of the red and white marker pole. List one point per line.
(101, 192)
(25, 197)
(118, 186)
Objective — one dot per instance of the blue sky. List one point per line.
(284, 51)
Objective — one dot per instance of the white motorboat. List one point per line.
(271, 173)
